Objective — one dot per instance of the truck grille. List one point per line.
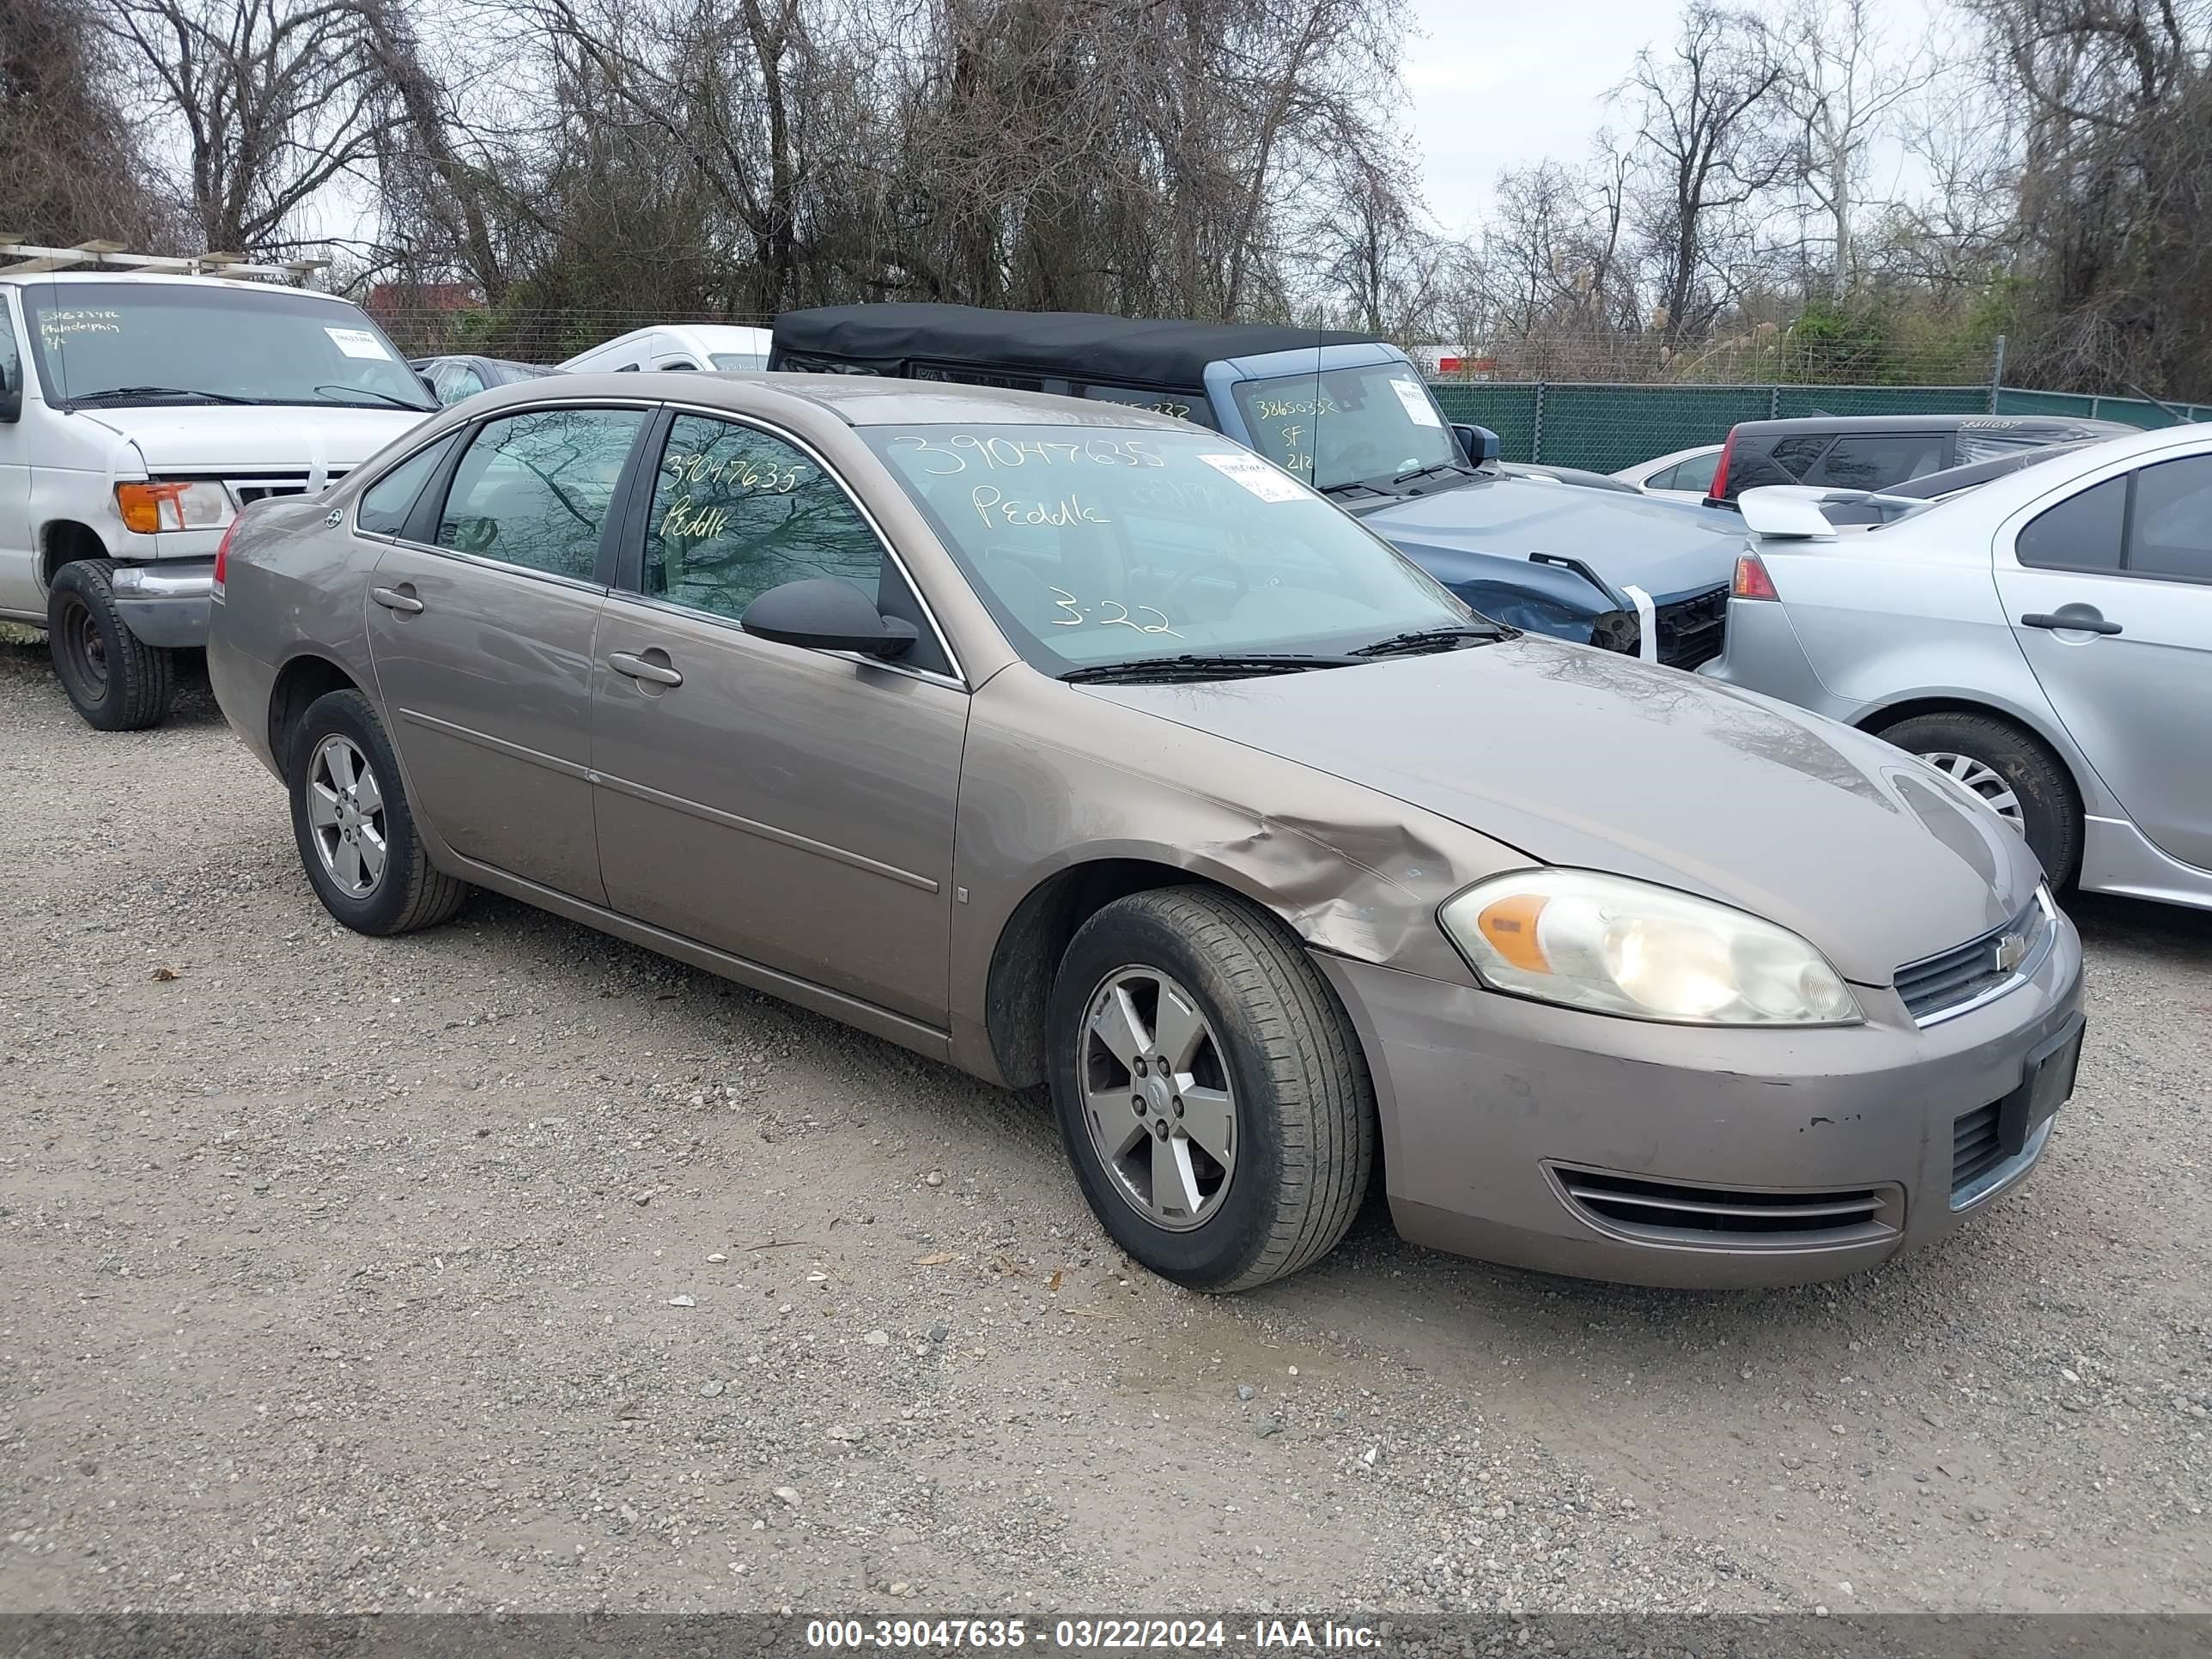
(1665, 1212)
(247, 491)
(1954, 977)
(1691, 630)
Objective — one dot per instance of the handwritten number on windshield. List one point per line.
(1077, 616)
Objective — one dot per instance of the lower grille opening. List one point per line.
(1664, 1211)
(1691, 630)
(1974, 1148)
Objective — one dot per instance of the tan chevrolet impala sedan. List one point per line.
(1070, 744)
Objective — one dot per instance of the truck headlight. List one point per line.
(1616, 945)
(196, 504)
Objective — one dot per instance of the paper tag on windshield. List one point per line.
(1416, 399)
(358, 343)
(1263, 478)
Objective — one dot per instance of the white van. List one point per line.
(677, 345)
(140, 411)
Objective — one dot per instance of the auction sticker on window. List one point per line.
(358, 343)
(1416, 399)
(1263, 478)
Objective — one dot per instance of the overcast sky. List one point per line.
(1504, 83)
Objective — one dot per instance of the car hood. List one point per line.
(232, 438)
(1669, 549)
(1583, 758)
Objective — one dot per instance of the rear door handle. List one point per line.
(397, 599)
(2088, 622)
(641, 668)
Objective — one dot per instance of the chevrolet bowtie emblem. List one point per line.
(2011, 948)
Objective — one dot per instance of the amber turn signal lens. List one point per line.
(141, 505)
(1509, 926)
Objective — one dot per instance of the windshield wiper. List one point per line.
(1197, 668)
(158, 391)
(1347, 483)
(1424, 471)
(369, 392)
(1438, 639)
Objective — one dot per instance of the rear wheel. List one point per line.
(1210, 1088)
(354, 826)
(2022, 780)
(116, 681)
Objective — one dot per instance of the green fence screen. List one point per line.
(1606, 428)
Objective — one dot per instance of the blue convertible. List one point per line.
(1351, 414)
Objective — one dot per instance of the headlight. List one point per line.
(1619, 946)
(202, 504)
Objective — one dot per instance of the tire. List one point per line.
(1299, 1108)
(2044, 803)
(339, 824)
(116, 681)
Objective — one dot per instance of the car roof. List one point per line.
(2055, 466)
(1845, 424)
(1149, 351)
(858, 400)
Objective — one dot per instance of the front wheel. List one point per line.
(116, 681)
(1210, 1088)
(2022, 781)
(354, 827)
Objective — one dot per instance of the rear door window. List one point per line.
(2170, 530)
(1795, 456)
(1872, 460)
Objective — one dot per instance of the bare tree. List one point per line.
(71, 169)
(273, 98)
(1710, 152)
(1843, 83)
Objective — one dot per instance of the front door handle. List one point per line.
(2083, 621)
(397, 599)
(643, 668)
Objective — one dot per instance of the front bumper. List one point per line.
(1502, 1118)
(166, 604)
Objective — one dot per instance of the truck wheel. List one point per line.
(118, 682)
(2022, 781)
(1210, 1088)
(355, 827)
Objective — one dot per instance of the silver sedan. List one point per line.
(2045, 639)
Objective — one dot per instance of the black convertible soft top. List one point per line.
(885, 339)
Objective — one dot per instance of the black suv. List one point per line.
(1877, 452)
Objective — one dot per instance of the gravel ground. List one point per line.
(507, 1266)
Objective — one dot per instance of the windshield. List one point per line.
(1093, 544)
(1344, 426)
(158, 342)
(738, 360)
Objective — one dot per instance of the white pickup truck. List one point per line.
(140, 411)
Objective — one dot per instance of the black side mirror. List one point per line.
(429, 385)
(1481, 444)
(824, 614)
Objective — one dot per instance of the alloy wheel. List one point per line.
(345, 810)
(1156, 1097)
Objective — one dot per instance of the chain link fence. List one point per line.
(1599, 403)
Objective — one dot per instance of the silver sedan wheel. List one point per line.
(345, 810)
(1156, 1097)
(1984, 780)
